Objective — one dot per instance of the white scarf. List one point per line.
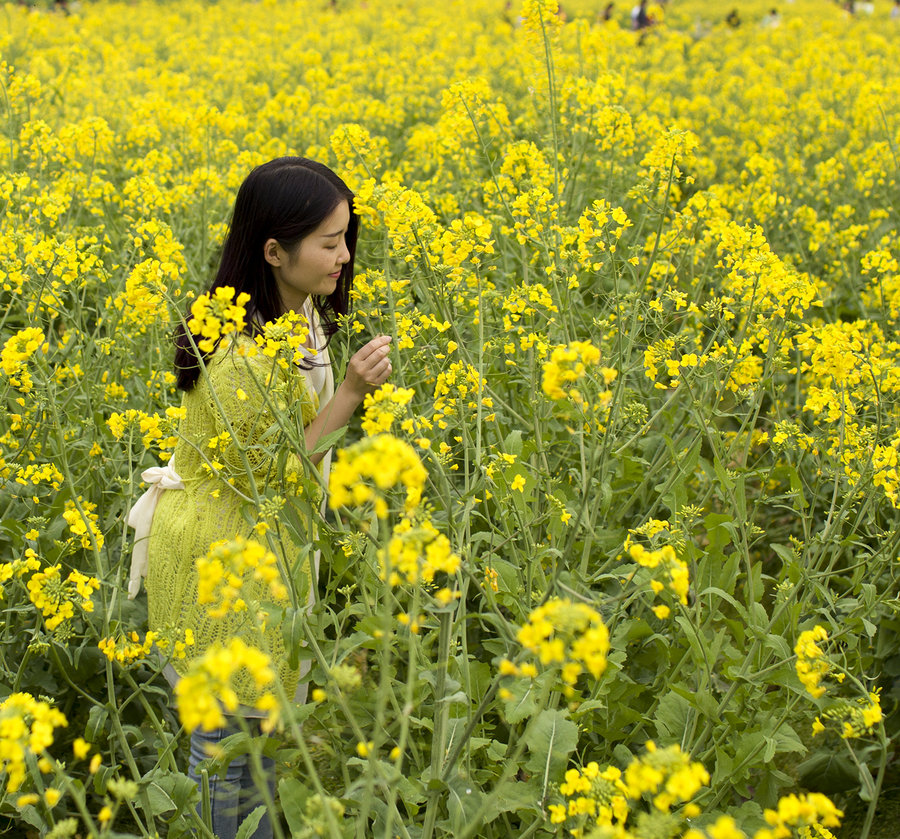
(141, 518)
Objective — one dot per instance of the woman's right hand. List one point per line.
(369, 367)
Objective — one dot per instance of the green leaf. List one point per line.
(779, 646)
(294, 636)
(463, 802)
(248, 825)
(523, 702)
(329, 440)
(797, 487)
(168, 791)
(672, 715)
(827, 772)
(724, 596)
(513, 442)
(293, 796)
(758, 618)
(866, 783)
(513, 796)
(551, 737)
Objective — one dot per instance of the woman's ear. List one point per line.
(272, 252)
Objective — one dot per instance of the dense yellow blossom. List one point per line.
(673, 571)
(222, 572)
(795, 811)
(811, 663)
(567, 635)
(371, 468)
(416, 552)
(383, 406)
(205, 693)
(16, 353)
(84, 523)
(128, 647)
(714, 207)
(216, 315)
(57, 597)
(26, 728)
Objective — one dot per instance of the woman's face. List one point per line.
(314, 266)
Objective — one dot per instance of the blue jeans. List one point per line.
(234, 795)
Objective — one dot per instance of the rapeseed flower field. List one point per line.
(613, 554)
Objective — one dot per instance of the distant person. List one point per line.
(607, 13)
(772, 20)
(509, 16)
(640, 19)
(895, 12)
(733, 19)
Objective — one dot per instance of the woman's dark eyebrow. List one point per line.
(332, 235)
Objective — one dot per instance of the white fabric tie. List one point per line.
(141, 518)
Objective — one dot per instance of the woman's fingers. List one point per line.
(370, 366)
(379, 372)
(378, 346)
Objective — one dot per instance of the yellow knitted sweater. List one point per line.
(209, 509)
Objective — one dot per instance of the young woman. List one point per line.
(290, 247)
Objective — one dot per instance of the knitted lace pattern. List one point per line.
(235, 396)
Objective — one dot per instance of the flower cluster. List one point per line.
(567, 635)
(416, 552)
(83, 523)
(127, 647)
(539, 17)
(221, 575)
(57, 597)
(851, 719)
(143, 302)
(215, 315)
(383, 406)
(567, 366)
(15, 354)
(458, 391)
(206, 690)
(611, 804)
(154, 429)
(282, 339)
(26, 728)
(600, 795)
(370, 469)
(668, 775)
(798, 811)
(18, 568)
(811, 665)
(33, 475)
(674, 572)
(609, 798)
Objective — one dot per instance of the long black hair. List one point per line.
(285, 199)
